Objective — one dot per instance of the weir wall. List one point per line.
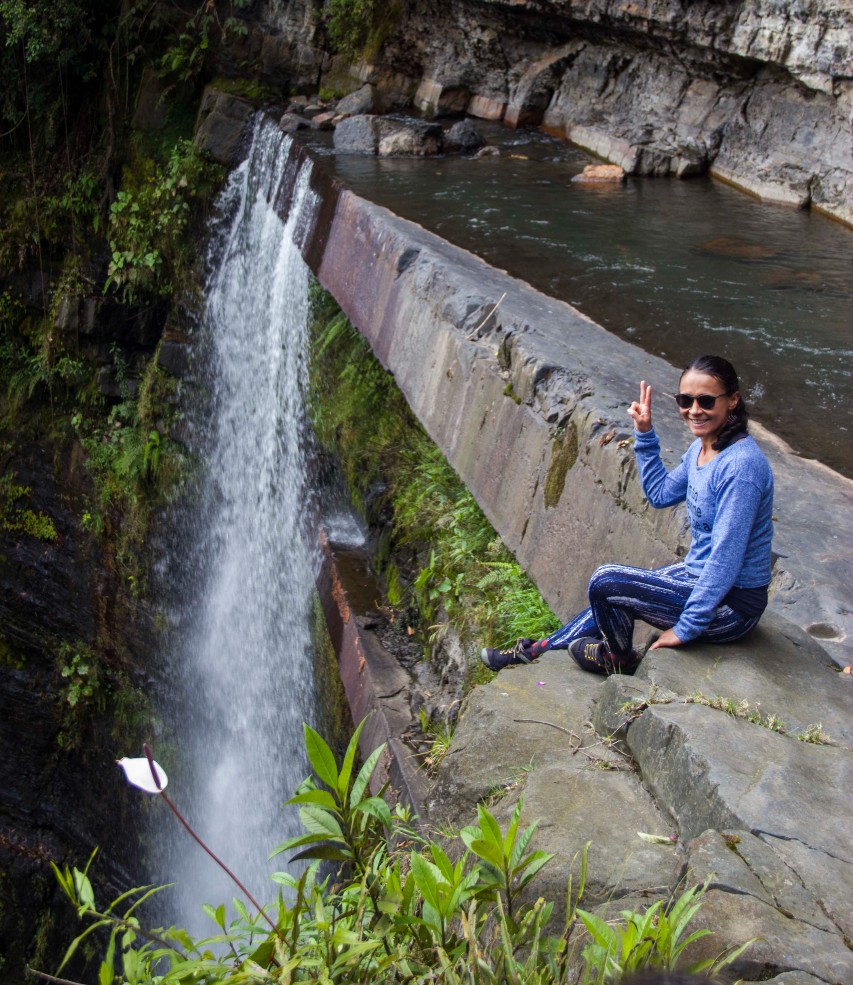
(528, 402)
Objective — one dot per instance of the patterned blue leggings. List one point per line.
(618, 595)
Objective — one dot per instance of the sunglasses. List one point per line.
(705, 400)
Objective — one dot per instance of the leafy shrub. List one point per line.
(401, 908)
(147, 223)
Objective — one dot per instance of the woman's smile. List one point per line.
(705, 424)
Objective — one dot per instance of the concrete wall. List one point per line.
(524, 396)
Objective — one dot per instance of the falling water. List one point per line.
(245, 557)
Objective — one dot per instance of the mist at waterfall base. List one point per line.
(243, 560)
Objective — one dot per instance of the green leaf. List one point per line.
(327, 851)
(83, 888)
(376, 807)
(321, 758)
(291, 843)
(322, 798)
(531, 865)
(364, 775)
(490, 828)
(264, 954)
(349, 759)
(318, 821)
(488, 851)
(426, 879)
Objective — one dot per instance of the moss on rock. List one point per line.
(564, 454)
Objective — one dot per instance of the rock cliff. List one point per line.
(759, 93)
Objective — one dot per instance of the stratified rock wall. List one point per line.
(758, 93)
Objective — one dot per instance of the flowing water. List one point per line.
(678, 267)
(243, 662)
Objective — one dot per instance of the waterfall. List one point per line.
(245, 555)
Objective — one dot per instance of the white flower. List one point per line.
(138, 773)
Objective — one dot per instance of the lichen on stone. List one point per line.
(564, 454)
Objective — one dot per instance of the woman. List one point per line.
(718, 593)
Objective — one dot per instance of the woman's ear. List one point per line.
(734, 400)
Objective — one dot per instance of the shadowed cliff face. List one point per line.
(758, 93)
(62, 795)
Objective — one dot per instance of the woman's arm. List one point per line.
(662, 488)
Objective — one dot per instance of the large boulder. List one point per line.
(463, 136)
(220, 124)
(411, 138)
(386, 137)
(356, 135)
(367, 99)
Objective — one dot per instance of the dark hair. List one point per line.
(721, 369)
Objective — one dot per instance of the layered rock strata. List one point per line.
(760, 93)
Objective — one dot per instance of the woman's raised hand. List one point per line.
(640, 410)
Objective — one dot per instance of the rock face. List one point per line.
(759, 93)
(220, 124)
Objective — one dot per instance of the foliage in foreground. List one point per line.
(459, 563)
(401, 908)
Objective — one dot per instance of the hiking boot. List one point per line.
(593, 654)
(524, 652)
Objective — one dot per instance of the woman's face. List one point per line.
(706, 424)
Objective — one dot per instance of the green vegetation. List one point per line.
(564, 454)
(401, 908)
(148, 219)
(359, 28)
(90, 685)
(19, 518)
(445, 559)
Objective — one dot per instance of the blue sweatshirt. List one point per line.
(730, 507)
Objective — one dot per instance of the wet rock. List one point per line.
(488, 151)
(410, 139)
(174, 355)
(366, 100)
(738, 248)
(437, 99)
(323, 121)
(795, 280)
(291, 122)
(598, 173)
(220, 124)
(356, 135)
(486, 107)
(463, 136)
(150, 112)
(67, 318)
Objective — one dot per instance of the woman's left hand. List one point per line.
(666, 639)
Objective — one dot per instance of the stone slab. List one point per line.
(713, 771)
(739, 862)
(778, 670)
(783, 945)
(376, 688)
(527, 735)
